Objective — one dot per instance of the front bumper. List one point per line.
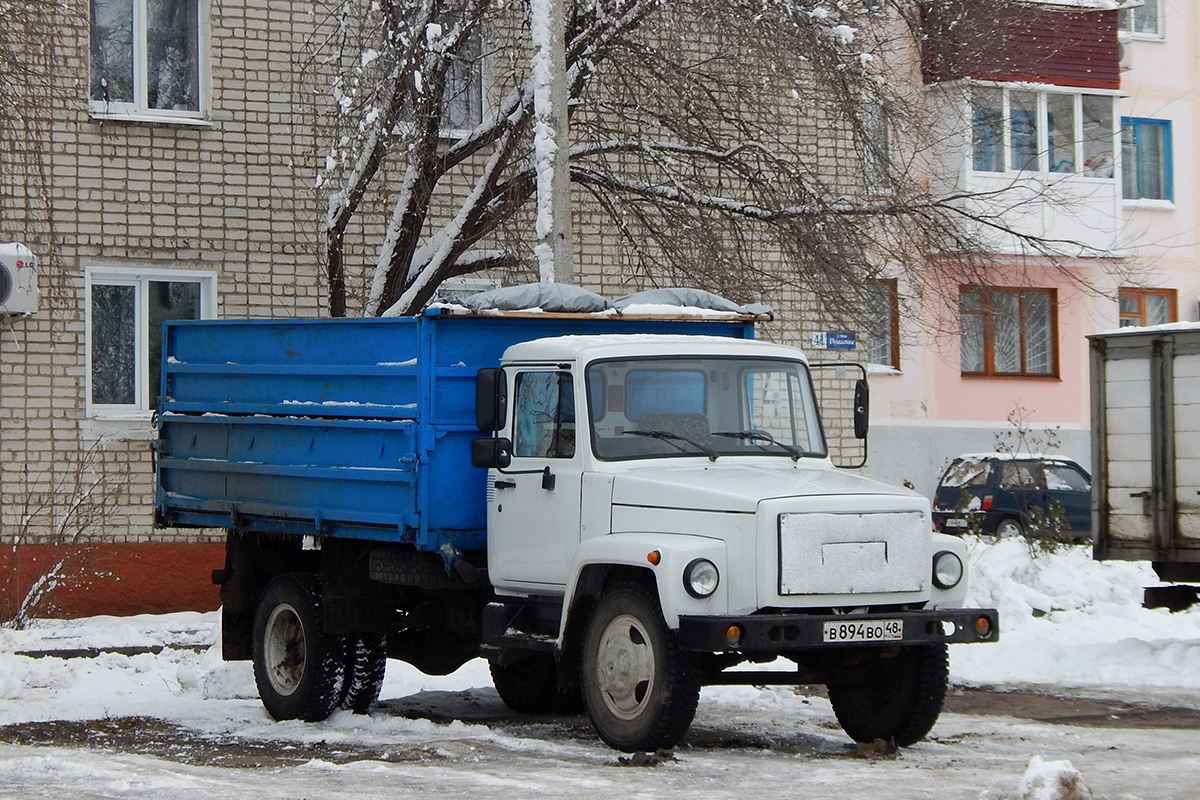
(789, 633)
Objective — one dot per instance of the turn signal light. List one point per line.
(733, 636)
(983, 628)
(654, 557)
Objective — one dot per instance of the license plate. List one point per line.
(956, 522)
(872, 630)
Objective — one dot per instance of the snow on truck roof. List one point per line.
(589, 347)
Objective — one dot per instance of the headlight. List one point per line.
(700, 578)
(947, 570)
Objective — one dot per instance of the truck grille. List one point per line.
(853, 553)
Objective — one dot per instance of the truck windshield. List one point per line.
(712, 407)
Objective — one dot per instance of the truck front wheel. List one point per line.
(895, 698)
(640, 689)
(297, 666)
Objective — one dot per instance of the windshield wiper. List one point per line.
(762, 436)
(672, 438)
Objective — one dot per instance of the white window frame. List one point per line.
(1131, 13)
(479, 72)
(140, 278)
(137, 109)
(877, 153)
(481, 75)
(1043, 133)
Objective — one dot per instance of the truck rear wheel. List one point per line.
(366, 663)
(298, 667)
(640, 689)
(896, 699)
(530, 686)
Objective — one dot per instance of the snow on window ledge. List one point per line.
(1144, 37)
(130, 426)
(148, 118)
(1148, 204)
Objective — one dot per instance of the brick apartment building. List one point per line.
(163, 168)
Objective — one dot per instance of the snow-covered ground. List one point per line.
(1066, 622)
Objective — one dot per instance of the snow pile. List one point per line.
(185, 629)
(1046, 780)
(1066, 619)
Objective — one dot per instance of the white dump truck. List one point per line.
(613, 511)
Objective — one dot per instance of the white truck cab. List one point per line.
(662, 507)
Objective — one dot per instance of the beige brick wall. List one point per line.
(230, 198)
(234, 198)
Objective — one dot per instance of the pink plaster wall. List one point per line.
(1064, 399)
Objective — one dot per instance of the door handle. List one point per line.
(505, 484)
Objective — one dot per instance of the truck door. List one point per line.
(533, 517)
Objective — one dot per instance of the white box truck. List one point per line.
(1146, 453)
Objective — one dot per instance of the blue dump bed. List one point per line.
(356, 428)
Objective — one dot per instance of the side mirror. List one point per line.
(862, 408)
(491, 452)
(491, 399)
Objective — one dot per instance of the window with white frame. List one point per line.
(883, 323)
(462, 104)
(1042, 131)
(462, 97)
(125, 311)
(1144, 20)
(1146, 165)
(877, 148)
(146, 57)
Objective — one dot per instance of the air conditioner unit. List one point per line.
(18, 280)
(1125, 51)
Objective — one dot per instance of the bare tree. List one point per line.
(63, 506)
(733, 144)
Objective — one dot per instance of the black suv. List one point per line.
(998, 491)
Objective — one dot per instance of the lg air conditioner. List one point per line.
(18, 280)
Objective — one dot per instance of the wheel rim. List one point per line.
(625, 667)
(284, 646)
(1008, 529)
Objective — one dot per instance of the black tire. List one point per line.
(1010, 528)
(366, 664)
(897, 699)
(530, 686)
(298, 667)
(640, 689)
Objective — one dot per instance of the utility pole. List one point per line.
(551, 142)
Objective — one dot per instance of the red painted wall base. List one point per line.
(117, 579)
